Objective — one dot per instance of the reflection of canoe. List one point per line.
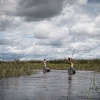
(71, 71)
(47, 69)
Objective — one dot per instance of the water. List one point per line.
(55, 85)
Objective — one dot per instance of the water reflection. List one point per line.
(69, 85)
(69, 79)
(55, 85)
(8, 85)
(44, 71)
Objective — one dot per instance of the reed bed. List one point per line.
(15, 69)
(20, 68)
(79, 64)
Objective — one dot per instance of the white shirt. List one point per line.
(44, 62)
(71, 64)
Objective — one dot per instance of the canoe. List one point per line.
(71, 71)
(47, 69)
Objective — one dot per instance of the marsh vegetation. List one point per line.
(20, 68)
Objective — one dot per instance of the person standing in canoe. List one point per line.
(70, 62)
(45, 67)
(44, 64)
(71, 70)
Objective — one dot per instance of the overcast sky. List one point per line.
(51, 29)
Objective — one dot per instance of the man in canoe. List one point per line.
(71, 70)
(44, 63)
(70, 62)
(44, 66)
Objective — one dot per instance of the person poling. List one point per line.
(71, 69)
(44, 66)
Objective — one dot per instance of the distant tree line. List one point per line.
(78, 61)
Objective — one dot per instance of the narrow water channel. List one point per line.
(54, 85)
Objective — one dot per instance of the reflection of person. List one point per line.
(44, 63)
(70, 62)
(70, 85)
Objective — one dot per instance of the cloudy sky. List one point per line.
(51, 29)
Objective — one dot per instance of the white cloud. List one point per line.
(68, 13)
(97, 20)
(50, 34)
(81, 2)
(72, 25)
(86, 29)
(82, 18)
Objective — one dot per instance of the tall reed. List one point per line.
(19, 68)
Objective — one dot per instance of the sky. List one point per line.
(50, 29)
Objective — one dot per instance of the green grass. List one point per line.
(22, 68)
(15, 69)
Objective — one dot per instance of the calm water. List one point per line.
(55, 85)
